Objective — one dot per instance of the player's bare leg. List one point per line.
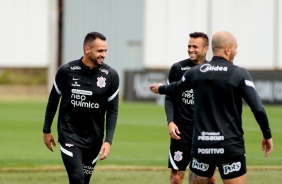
(213, 178)
(176, 176)
(195, 179)
(239, 180)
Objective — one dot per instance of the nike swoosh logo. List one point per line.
(75, 78)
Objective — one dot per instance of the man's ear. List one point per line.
(87, 49)
(227, 50)
(206, 48)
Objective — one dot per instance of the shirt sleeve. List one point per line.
(112, 108)
(176, 87)
(252, 98)
(169, 110)
(52, 105)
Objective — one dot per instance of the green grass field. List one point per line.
(139, 151)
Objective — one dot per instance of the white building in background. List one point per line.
(256, 24)
(28, 33)
(141, 34)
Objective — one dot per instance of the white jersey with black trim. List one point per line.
(219, 88)
(88, 100)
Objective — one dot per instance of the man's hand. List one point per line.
(49, 141)
(106, 147)
(267, 146)
(155, 88)
(173, 131)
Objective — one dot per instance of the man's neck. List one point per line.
(88, 62)
(221, 55)
(198, 62)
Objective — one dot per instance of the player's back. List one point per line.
(218, 104)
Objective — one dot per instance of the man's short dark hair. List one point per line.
(200, 35)
(92, 36)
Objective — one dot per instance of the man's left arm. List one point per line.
(112, 108)
(111, 116)
(252, 98)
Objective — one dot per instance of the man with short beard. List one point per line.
(218, 138)
(88, 91)
(179, 109)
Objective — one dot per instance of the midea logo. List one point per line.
(208, 67)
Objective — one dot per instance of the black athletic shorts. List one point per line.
(79, 162)
(180, 150)
(229, 167)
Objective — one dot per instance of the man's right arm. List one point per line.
(53, 100)
(51, 109)
(169, 108)
(52, 105)
(169, 111)
(169, 105)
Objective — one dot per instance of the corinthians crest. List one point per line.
(178, 156)
(101, 82)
